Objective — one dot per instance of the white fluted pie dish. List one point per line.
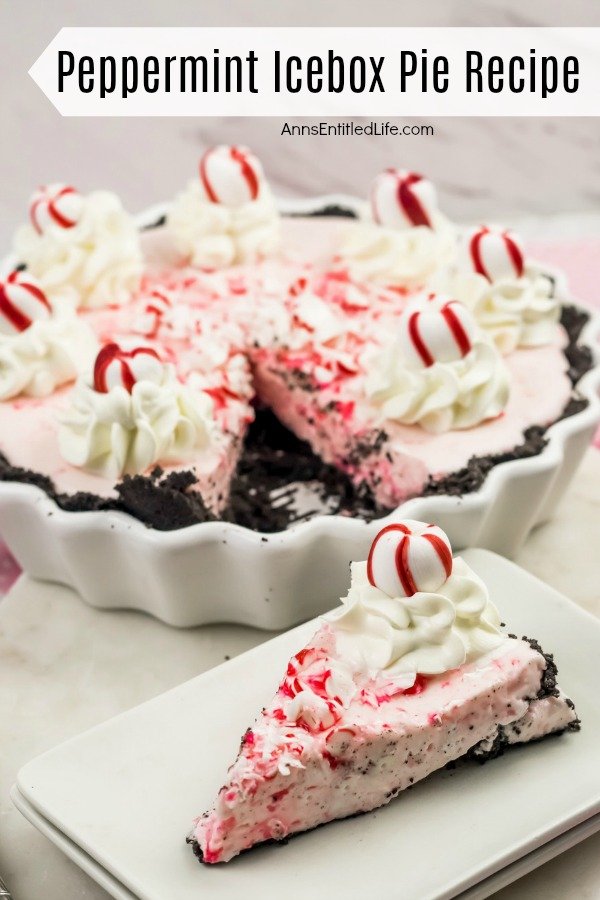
(217, 571)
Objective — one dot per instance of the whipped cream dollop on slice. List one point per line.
(426, 632)
(228, 215)
(439, 371)
(40, 349)
(86, 245)
(134, 415)
(513, 301)
(408, 238)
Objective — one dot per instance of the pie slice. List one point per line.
(411, 673)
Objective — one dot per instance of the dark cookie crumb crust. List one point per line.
(273, 457)
(333, 209)
(548, 688)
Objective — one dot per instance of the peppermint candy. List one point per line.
(115, 367)
(312, 712)
(495, 254)
(409, 556)
(402, 199)
(230, 175)
(437, 330)
(298, 287)
(158, 304)
(318, 688)
(22, 302)
(311, 670)
(55, 206)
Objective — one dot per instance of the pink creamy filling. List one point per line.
(290, 778)
(29, 436)
(334, 421)
(228, 311)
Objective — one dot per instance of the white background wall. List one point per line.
(482, 167)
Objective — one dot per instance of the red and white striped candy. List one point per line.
(409, 556)
(436, 330)
(495, 254)
(115, 367)
(230, 175)
(55, 205)
(402, 199)
(159, 301)
(22, 302)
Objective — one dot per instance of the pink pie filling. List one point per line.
(290, 777)
(335, 423)
(29, 437)
(226, 322)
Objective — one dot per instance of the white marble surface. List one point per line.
(511, 166)
(65, 667)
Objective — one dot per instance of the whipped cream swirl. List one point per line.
(400, 258)
(439, 371)
(427, 633)
(118, 432)
(443, 397)
(515, 312)
(213, 235)
(49, 353)
(98, 259)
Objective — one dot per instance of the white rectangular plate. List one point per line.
(125, 792)
(480, 891)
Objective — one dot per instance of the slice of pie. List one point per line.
(411, 673)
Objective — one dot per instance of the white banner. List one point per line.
(322, 72)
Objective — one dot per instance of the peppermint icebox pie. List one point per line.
(413, 672)
(228, 363)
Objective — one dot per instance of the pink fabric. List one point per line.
(579, 258)
(9, 569)
(581, 261)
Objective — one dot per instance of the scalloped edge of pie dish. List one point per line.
(221, 572)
